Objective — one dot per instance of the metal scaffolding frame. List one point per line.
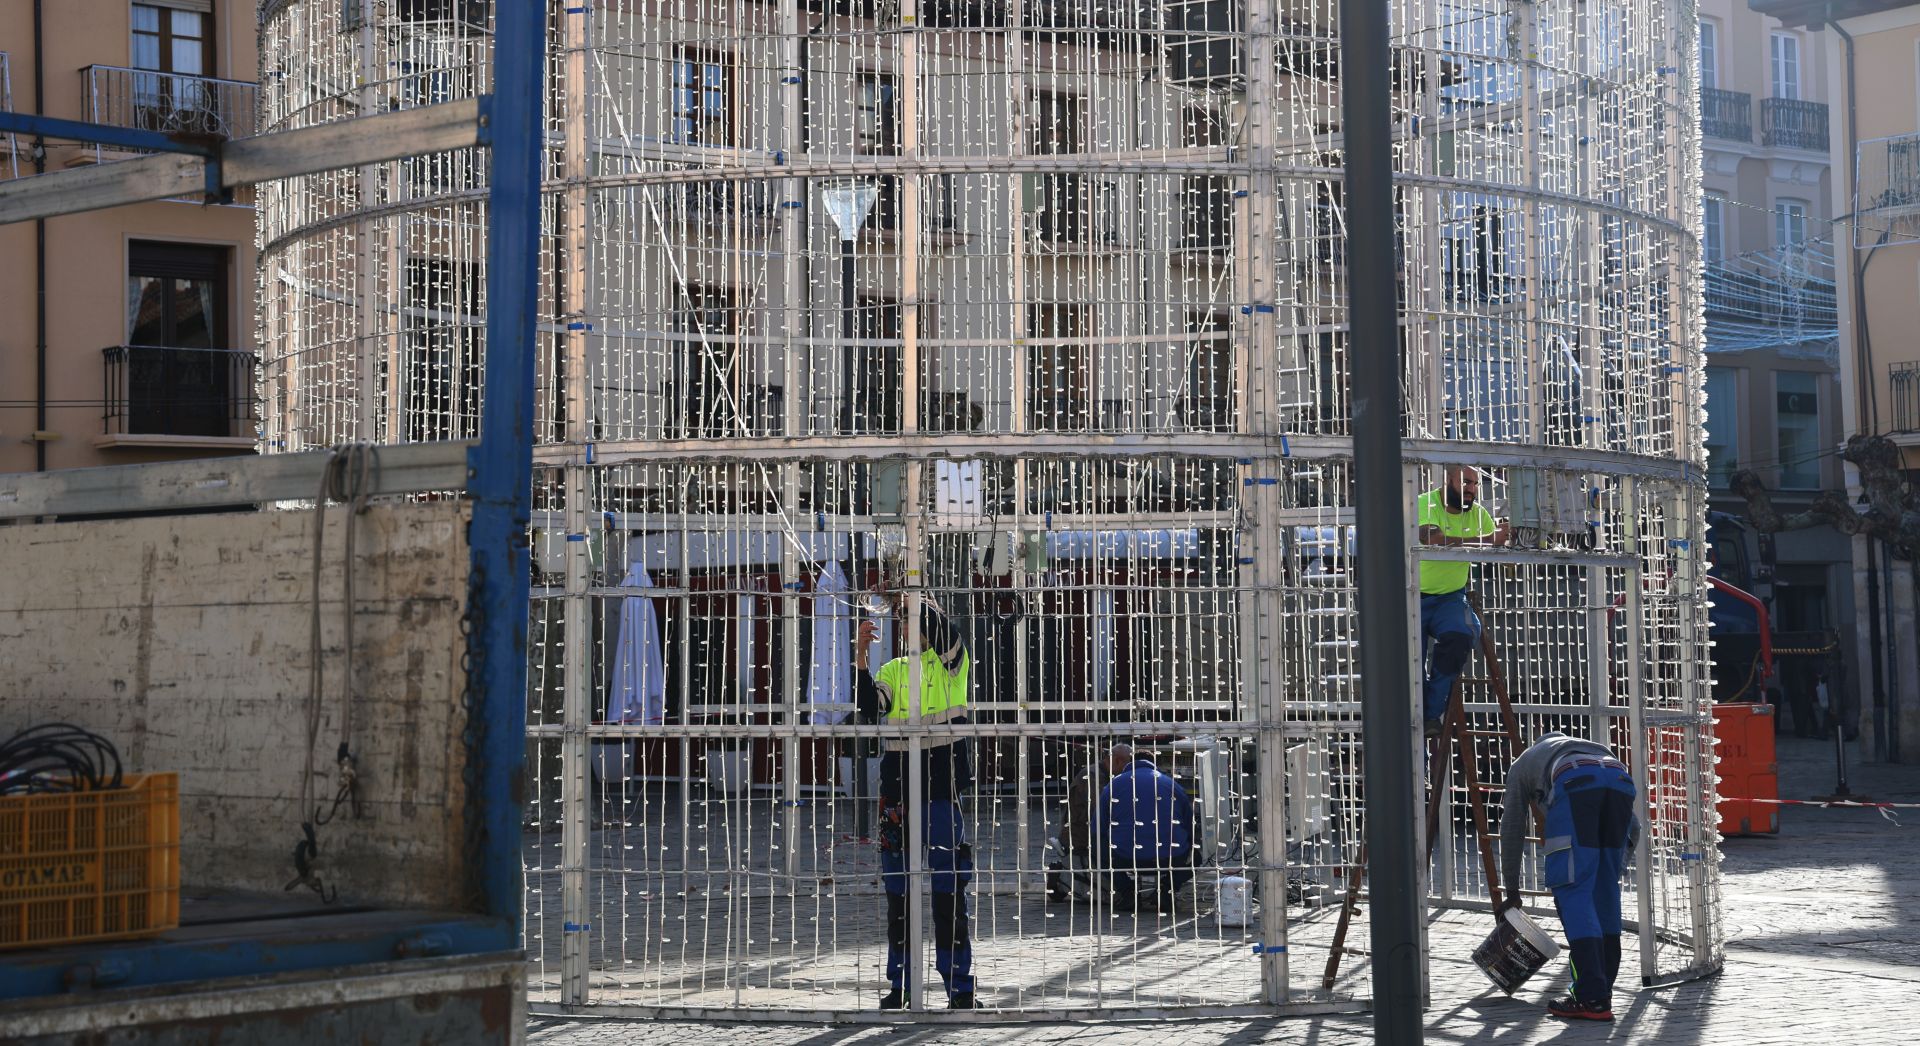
(1083, 375)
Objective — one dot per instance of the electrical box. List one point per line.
(1549, 509)
(550, 549)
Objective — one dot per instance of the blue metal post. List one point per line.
(501, 465)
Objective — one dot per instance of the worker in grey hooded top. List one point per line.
(1586, 799)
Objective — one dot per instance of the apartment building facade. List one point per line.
(1772, 372)
(1873, 74)
(126, 335)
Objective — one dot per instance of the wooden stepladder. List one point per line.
(1462, 744)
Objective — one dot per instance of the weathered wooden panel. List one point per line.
(186, 640)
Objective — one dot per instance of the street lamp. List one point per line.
(848, 203)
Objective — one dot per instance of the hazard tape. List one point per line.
(1886, 809)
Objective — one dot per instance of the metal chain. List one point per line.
(473, 731)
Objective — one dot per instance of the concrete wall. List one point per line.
(185, 640)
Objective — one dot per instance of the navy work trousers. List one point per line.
(1589, 819)
(950, 864)
(1451, 628)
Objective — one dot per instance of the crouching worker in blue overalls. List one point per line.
(1586, 800)
(947, 775)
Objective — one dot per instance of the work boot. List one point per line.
(960, 1001)
(1572, 1009)
(894, 1000)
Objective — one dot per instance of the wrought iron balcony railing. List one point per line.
(157, 391)
(1903, 387)
(1726, 114)
(194, 106)
(1793, 124)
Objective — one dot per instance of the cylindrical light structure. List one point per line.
(1038, 312)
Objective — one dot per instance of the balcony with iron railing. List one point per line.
(191, 107)
(160, 396)
(1726, 114)
(1793, 124)
(1886, 191)
(1903, 390)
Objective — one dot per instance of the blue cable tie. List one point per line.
(576, 927)
(1269, 949)
(789, 79)
(1268, 481)
(1245, 461)
(1049, 519)
(1416, 126)
(1286, 451)
(792, 203)
(1591, 419)
(580, 10)
(1246, 310)
(1678, 543)
(794, 802)
(590, 461)
(579, 326)
(820, 521)
(1247, 482)
(1239, 194)
(1672, 369)
(1263, 308)
(1693, 857)
(576, 537)
(1244, 560)
(779, 157)
(794, 586)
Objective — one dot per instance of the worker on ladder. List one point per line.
(946, 776)
(1450, 516)
(1585, 799)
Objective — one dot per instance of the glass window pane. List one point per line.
(189, 24)
(193, 317)
(1797, 418)
(146, 19)
(189, 57)
(1709, 48)
(1723, 425)
(146, 310)
(146, 51)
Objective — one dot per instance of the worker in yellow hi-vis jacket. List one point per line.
(1450, 515)
(946, 776)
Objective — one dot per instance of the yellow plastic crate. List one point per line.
(90, 866)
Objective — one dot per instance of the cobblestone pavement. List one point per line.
(1823, 940)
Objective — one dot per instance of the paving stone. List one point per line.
(1823, 949)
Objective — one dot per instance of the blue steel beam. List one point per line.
(270, 946)
(98, 134)
(501, 466)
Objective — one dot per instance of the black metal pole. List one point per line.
(856, 564)
(1393, 877)
(846, 336)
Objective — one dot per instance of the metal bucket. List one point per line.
(1514, 951)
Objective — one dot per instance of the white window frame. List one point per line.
(1713, 229)
(1709, 54)
(1783, 65)
(1790, 222)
